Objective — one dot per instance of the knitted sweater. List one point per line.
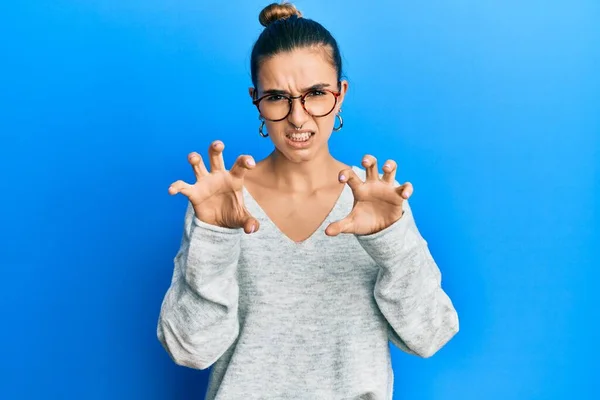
(277, 319)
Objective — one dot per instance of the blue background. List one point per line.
(490, 108)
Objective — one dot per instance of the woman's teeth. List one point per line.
(300, 137)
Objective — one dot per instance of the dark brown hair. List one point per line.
(285, 30)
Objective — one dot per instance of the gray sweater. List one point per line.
(283, 320)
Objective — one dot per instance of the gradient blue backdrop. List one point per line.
(490, 108)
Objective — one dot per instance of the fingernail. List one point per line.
(252, 229)
(387, 166)
(250, 162)
(342, 177)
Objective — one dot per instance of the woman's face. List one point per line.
(296, 73)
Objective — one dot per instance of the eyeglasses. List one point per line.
(277, 106)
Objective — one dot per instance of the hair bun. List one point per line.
(274, 12)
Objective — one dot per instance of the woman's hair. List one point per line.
(286, 30)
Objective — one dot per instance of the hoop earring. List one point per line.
(260, 129)
(341, 121)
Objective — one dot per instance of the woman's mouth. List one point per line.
(299, 140)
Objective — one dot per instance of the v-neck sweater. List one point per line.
(278, 319)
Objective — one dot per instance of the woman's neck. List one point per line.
(300, 177)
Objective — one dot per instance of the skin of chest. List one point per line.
(297, 216)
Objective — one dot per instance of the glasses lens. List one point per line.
(319, 103)
(274, 107)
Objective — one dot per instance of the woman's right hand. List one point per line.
(217, 195)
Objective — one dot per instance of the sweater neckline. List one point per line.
(321, 228)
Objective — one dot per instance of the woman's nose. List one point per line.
(298, 115)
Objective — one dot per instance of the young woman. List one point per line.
(330, 265)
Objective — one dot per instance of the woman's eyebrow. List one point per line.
(317, 86)
(313, 87)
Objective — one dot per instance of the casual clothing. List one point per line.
(278, 319)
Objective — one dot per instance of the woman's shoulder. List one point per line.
(257, 177)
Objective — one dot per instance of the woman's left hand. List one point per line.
(377, 203)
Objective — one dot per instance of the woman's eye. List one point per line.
(316, 93)
(275, 97)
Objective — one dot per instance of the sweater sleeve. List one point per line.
(408, 288)
(198, 318)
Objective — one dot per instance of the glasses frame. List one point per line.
(290, 100)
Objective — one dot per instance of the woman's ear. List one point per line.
(343, 91)
(251, 92)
